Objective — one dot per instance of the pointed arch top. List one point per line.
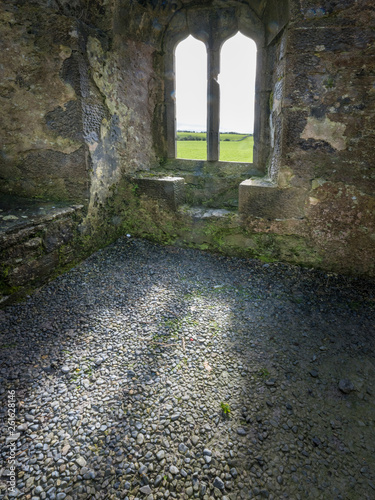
(213, 22)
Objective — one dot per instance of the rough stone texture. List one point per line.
(76, 102)
(336, 103)
(125, 77)
(168, 191)
(34, 47)
(52, 175)
(34, 247)
(260, 198)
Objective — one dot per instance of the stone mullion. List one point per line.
(170, 105)
(213, 103)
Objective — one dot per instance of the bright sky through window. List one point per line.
(191, 85)
(237, 85)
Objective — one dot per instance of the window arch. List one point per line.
(191, 88)
(213, 25)
(194, 82)
(237, 90)
(235, 98)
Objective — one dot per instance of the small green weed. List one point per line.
(195, 294)
(174, 326)
(88, 371)
(329, 82)
(134, 188)
(76, 374)
(225, 408)
(214, 327)
(297, 300)
(263, 373)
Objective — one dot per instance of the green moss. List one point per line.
(5, 287)
(329, 82)
(141, 216)
(265, 259)
(263, 373)
(203, 246)
(4, 271)
(128, 211)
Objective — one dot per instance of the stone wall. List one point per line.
(321, 109)
(76, 101)
(328, 131)
(77, 110)
(321, 113)
(42, 149)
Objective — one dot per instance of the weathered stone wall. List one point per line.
(327, 109)
(321, 105)
(76, 93)
(34, 249)
(76, 101)
(42, 151)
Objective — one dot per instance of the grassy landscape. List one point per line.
(233, 147)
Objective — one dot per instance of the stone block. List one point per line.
(58, 235)
(33, 250)
(37, 270)
(169, 191)
(262, 198)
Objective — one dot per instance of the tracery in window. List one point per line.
(237, 93)
(191, 99)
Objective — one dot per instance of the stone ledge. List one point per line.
(33, 217)
(34, 248)
(168, 191)
(262, 198)
(215, 168)
(212, 184)
(199, 213)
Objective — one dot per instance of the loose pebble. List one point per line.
(159, 372)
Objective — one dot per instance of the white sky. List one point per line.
(237, 85)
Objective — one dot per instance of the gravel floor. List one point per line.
(151, 372)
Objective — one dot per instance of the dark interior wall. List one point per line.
(76, 98)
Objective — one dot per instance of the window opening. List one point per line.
(237, 96)
(191, 99)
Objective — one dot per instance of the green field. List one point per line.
(233, 147)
